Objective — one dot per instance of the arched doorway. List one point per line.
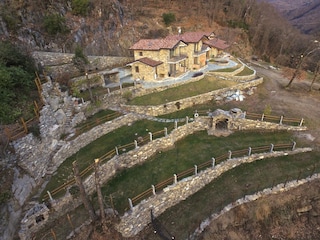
(222, 124)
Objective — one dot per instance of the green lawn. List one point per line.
(207, 84)
(246, 179)
(245, 72)
(195, 149)
(106, 143)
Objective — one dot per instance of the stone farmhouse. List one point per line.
(174, 55)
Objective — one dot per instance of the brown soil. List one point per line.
(276, 216)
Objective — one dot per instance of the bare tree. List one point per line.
(316, 73)
(87, 204)
(302, 58)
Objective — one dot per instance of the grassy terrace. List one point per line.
(99, 147)
(207, 84)
(195, 149)
(246, 179)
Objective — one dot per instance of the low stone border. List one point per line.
(136, 220)
(249, 198)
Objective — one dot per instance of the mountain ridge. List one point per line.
(302, 14)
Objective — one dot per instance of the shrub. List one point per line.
(80, 7)
(267, 110)
(54, 24)
(168, 18)
(127, 95)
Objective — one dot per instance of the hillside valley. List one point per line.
(303, 14)
(109, 28)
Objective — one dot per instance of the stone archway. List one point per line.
(222, 124)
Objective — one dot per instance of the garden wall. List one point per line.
(190, 101)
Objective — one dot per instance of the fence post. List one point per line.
(175, 124)
(249, 151)
(24, 125)
(135, 144)
(271, 147)
(187, 119)
(165, 131)
(244, 114)
(294, 146)
(150, 136)
(230, 154)
(117, 151)
(153, 189)
(108, 89)
(195, 170)
(301, 122)
(50, 196)
(213, 162)
(175, 178)
(299, 175)
(130, 204)
(281, 119)
(262, 117)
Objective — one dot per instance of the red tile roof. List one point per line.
(217, 43)
(155, 44)
(149, 61)
(190, 37)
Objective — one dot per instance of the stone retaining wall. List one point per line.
(71, 147)
(191, 101)
(139, 217)
(282, 187)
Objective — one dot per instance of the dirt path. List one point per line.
(278, 216)
(296, 101)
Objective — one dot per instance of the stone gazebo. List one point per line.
(220, 121)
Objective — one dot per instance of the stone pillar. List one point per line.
(281, 119)
(249, 151)
(135, 144)
(213, 162)
(50, 196)
(271, 147)
(175, 178)
(165, 132)
(175, 124)
(117, 151)
(153, 189)
(130, 203)
(150, 136)
(195, 170)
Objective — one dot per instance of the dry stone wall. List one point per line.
(191, 101)
(139, 217)
(71, 147)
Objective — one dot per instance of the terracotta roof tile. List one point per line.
(190, 37)
(149, 61)
(155, 44)
(217, 43)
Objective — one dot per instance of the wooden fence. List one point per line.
(22, 127)
(275, 119)
(209, 164)
(105, 157)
